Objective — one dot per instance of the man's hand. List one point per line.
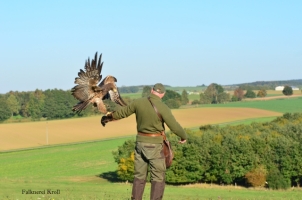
(182, 141)
(106, 118)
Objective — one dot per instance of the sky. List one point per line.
(44, 44)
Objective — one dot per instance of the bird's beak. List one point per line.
(114, 90)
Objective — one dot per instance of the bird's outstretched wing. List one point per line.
(108, 84)
(87, 90)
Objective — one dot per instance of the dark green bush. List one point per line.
(171, 103)
(232, 154)
(195, 102)
(276, 180)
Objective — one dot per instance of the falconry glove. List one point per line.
(107, 118)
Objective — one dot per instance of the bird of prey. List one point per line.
(89, 91)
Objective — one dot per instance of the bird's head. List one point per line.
(110, 79)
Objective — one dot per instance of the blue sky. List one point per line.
(43, 44)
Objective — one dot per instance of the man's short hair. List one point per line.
(158, 87)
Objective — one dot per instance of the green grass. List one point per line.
(179, 89)
(245, 121)
(278, 105)
(75, 171)
(188, 88)
(249, 121)
(139, 95)
(282, 105)
(132, 95)
(272, 95)
(194, 97)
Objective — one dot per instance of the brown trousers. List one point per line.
(147, 154)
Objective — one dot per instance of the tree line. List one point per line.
(215, 93)
(129, 89)
(49, 104)
(260, 154)
(268, 85)
(57, 104)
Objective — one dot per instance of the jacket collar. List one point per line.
(153, 96)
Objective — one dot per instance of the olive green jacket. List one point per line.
(148, 121)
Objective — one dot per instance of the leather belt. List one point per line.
(150, 134)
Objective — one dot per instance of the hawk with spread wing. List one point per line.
(88, 91)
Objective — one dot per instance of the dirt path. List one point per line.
(274, 97)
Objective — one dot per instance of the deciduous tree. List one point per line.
(5, 112)
(13, 104)
(250, 94)
(184, 97)
(146, 91)
(262, 93)
(172, 103)
(36, 104)
(172, 99)
(212, 92)
(59, 103)
(287, 91)
(239, 94)
(223, 97)
(204, 99)
(195, 102)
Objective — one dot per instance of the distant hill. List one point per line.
(268, 85)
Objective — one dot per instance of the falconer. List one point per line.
(149, 140)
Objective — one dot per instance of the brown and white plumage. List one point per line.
(89, 91)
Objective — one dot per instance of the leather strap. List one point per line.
(150, 134)
(160, 117)
(158, 114)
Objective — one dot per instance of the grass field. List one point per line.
(132, 95)
(278, 105)
(85, 171)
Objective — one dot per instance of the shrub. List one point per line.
(262, 93)
(171, 103)
(125, 170)
(124, 157)
(195, 102)
(234, 98)
(257, 176)
(277, 181)
(250, 94)
(287, 91)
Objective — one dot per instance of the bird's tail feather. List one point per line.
(80, 106)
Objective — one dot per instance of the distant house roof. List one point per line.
(279, 88)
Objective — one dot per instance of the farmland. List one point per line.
(282, 105)
(34, 134)
(85, 170)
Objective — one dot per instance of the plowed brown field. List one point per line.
(34, 134)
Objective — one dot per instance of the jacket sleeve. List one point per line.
(173, 125)
(124, 112)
